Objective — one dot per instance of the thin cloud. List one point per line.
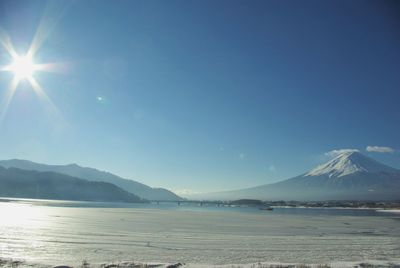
(380, 149)
(334, 153)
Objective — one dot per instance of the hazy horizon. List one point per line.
(329, 156)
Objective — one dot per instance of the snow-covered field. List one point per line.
(68, 235)
(389, 210)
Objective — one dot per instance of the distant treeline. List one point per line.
(343, 204)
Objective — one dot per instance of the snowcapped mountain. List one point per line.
(348, 176)
(349, 163)
(92, 174)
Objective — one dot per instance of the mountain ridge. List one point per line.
(21, 183)
(92, 174)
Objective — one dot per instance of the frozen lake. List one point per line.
(55, 232)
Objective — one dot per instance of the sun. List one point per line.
(23, 67)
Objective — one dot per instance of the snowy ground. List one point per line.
(68, 235)
(9, 263)
(389, 210)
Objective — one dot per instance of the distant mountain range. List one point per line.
(21, 183)
(91, 174)
(349, 176)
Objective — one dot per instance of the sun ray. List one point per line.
(53, 111)
(23, 66)
(7, 100)
(58, 67)
(7, 44)
(53, 12)
(42, 94)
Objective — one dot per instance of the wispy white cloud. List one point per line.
(242, 156)
(334, 153)
(380, 149)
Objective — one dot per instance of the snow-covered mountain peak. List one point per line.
(348, 163)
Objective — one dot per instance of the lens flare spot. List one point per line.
(101, 99)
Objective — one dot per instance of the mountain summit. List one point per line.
(349, 163)
(348, 176)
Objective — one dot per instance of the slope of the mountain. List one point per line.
(349, 163)
(92, 174)
(349, 176)
(22, 183)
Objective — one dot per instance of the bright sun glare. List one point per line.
(23, 67)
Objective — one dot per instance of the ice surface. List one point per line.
(68, 235)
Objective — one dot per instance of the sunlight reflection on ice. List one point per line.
(20, 215)
(55, 232)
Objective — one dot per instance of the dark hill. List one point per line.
(21, 183)
(91, 174)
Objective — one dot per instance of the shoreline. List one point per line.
(389, 210)
(55, 201)
(15, 263)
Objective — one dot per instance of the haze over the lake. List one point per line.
(200, 96)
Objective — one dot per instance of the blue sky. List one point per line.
(204, 95)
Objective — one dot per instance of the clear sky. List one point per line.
(204, 95)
